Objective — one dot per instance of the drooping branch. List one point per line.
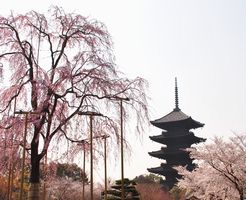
(62, 64)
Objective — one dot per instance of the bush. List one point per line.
(152, 191)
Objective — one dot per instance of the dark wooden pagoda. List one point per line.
(176, 136)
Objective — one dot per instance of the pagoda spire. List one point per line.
(176, 96)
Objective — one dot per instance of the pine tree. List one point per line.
(129, 190)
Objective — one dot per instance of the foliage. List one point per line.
(221, 170)
(11, 169)
(16, 182)
(176, 193)
(71, 171)
(65, 189)
(130, 192)
(152, 191)
(3, 188)
(64, 181)
(60, 64)
(148, 178)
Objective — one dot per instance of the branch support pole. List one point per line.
(91, 159)
(24, 150)
(83, 186)
(105, 166)
(122, 144)
(122, 151)
(91, 114)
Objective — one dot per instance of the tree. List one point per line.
(12, 181)
(177, 194)
(221, 170)
(152, 191)
(68, 171)
(63, 189)
(130, 191)
(10, 166)
(60, 64)
(148, 178)
(63, 181)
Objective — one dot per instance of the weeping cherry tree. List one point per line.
(59, 64)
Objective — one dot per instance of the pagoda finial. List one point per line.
(176, 96)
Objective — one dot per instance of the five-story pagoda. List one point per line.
(176, 136)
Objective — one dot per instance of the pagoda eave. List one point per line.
(168, 152)
(163, 170)
(187, 138)
(188, 123)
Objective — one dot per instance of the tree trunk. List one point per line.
(33, 193)
(241, 195)
(35, 175)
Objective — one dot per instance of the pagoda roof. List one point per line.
(189, 138)
(176, 118)
(175, 115)
(165, 152)
(164, 169)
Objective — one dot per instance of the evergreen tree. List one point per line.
(129, 190)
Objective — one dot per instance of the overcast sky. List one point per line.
(202, 43)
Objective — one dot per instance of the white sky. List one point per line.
(203, 43)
